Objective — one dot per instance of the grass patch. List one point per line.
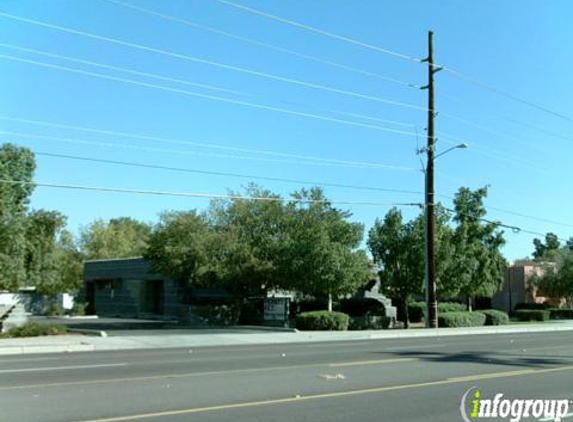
(35, 329)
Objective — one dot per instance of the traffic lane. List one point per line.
(145, 395)
(514, 351)
(418, 402)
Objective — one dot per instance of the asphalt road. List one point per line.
(377, 380)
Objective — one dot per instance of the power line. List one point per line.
(203, 195)
(519, 214)
(210, 97)
(320, 31)
(199, 144)
(122, 69)
(450, 70)
(505, 94)
(226, 174)
(187, 152)
(514, 229)
(187, 82)
(215, 64)
(263, 44)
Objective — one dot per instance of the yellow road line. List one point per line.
(319, 396)
(202, 374)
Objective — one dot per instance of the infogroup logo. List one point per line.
(474, 407)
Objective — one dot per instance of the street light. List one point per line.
(430, 286)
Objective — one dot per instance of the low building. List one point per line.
(129, 288)
(518, 287)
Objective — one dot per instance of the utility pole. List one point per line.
(432, 301)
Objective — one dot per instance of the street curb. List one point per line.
(265, 328)
(87, 332)
(59, 348)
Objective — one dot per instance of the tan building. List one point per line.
(518, 287)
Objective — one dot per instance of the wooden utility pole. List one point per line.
(430, 197)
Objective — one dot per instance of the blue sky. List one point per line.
(521, 47)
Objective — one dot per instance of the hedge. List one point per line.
(359, 307)
(495, 317)
(35, 329)
(322, 320)
(564, 313)
(370, 323)
(417, 310)
(531, 306)
(461, 319)
(532, 315)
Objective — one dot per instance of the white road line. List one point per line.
(26, 360)
(568, 415)
(59, 368)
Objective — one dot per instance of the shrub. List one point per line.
(565, 313)
(531, 306)
(416, 311)
(322, 320)
(223, 314)
(495, 317)
(359, 307)
(369, 323)
(35, 329)
(79, 309)
(54, 309)
(251, 313)
(445, 307)
(532, 315)
(461, 319)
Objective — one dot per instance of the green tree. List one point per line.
(398, 250)
(16, 164)
(119, 238)
(322, 257)
(548, 249)
(180, 246)
(479, 264)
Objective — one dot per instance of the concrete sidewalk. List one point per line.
(199, 338)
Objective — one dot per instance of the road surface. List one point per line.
(375, 380)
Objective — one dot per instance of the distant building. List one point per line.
(518, 287)
(128, 287)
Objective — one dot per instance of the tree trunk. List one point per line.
(469, 303)
(329, 302)
(406, 316)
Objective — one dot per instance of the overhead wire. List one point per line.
(252, 41)
(210, 97)
(197, 153)
(450, 70)
(204, 195)
(215, 64)
(226, 174)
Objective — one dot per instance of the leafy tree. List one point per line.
(119, 238)
(16, 164)
(397, 248)
(546, 250)
(323, 253)
(479, 264)
(179, 247)
(557, 277)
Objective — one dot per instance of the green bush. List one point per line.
(445, 307)
(461, 319)
(35, 329)
(54, 309)
(495, 317)
(564, 313)
(219, 314)
(531, 306)
(359, 307)
(532, 315)
(369, 323)
(416, 311)
(79, 309)
(322, 320)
